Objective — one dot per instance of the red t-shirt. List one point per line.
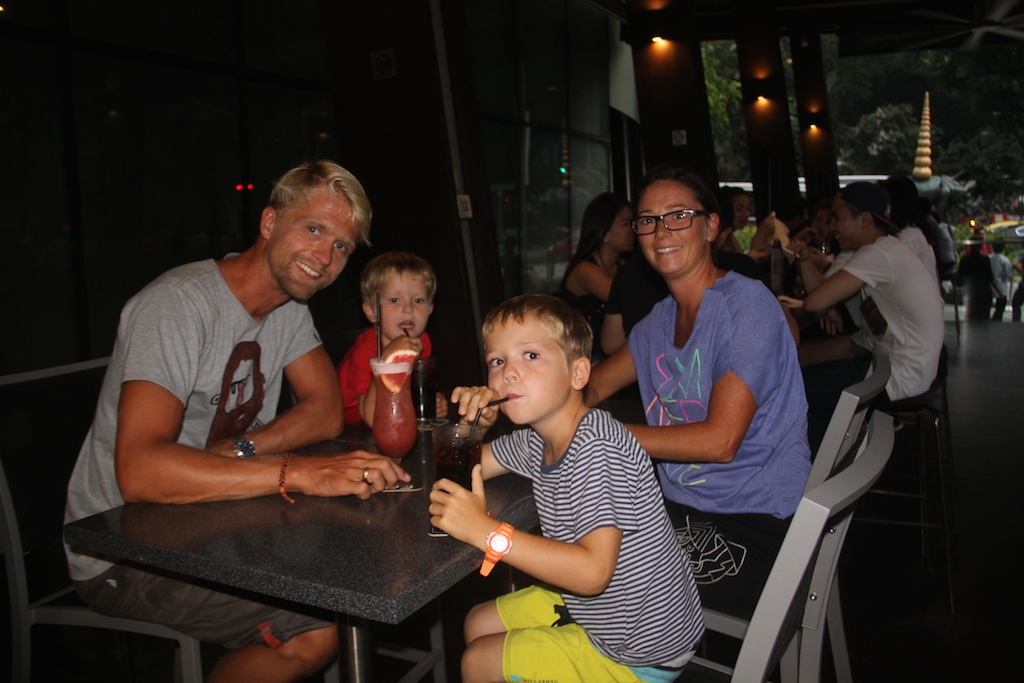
(354, 371)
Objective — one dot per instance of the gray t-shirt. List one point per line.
(188, 333)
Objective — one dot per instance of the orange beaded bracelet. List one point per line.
(280, 479)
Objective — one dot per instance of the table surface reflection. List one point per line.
(371, 559)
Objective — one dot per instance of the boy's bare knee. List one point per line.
(482, 620)
(470, 628)
(481, 662)
(469, 665)
(312, 650)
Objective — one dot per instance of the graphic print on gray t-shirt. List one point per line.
(241, 394)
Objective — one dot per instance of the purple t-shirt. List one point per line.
(740, 327)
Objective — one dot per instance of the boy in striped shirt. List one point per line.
(617, 601)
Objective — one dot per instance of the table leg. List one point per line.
(355, 650)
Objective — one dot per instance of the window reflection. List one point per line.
(548, 156)
(37, 245)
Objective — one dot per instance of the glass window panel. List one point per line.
(591, 175)
(493, 48)
(35, 235)
(546, 238)
(501, 158)
(158, 151)
(287, 37)
(728, 124)
(287, 126)
(29, 12)
(542, 56)
(192, 28)
(588, 69)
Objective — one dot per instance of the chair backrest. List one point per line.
(778, 616)
(44, 417)
(845, 432)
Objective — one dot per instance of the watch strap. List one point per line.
(492, 556)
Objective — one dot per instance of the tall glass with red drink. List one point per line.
(394, 421)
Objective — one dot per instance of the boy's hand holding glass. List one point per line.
(460, 513)
(470, 401)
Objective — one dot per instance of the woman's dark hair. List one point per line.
(726, 214)
(903, 193)
(598, 219)
(684, 176)
(906, 207)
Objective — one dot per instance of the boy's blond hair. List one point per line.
(565, 324)
(395, 263)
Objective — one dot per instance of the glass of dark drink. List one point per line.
(456, 451)
(424, 389)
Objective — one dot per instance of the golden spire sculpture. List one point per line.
(923, 155)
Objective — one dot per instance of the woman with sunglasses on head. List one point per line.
(723, 396)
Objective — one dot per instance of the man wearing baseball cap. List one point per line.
(898, 296)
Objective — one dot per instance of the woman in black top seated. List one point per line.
(606, 237)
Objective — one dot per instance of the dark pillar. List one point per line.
(763, 87)
(671, 94)
(409, 137)
(813, 115)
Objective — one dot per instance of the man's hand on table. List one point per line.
(343, 475)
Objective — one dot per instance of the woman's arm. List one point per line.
(717, 439)
(614, 373)
(613, 333)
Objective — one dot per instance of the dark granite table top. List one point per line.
(370, 559)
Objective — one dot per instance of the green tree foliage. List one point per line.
(977, 113)
(721, 73)
(883, 139)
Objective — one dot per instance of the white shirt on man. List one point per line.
(908, 299)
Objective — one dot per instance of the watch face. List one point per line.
(499, 543)
(244, 448)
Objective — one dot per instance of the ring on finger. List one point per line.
(366, 476)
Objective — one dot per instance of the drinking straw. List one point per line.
(380, 351)
(477, 418)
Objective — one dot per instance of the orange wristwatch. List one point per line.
(498, 544)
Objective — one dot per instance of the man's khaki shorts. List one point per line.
(195, 610)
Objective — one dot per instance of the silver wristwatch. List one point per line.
(244, 448)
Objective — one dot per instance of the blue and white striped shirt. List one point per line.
(650, 612)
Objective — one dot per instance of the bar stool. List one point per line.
(930, 412)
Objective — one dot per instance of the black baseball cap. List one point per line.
(872, 198)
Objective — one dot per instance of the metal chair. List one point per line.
(843, 436)
(814, 540)
(44, 417)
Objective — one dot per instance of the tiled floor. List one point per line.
(898, 622)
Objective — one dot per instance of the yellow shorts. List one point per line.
(537, 652)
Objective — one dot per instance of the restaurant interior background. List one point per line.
(138, 136)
